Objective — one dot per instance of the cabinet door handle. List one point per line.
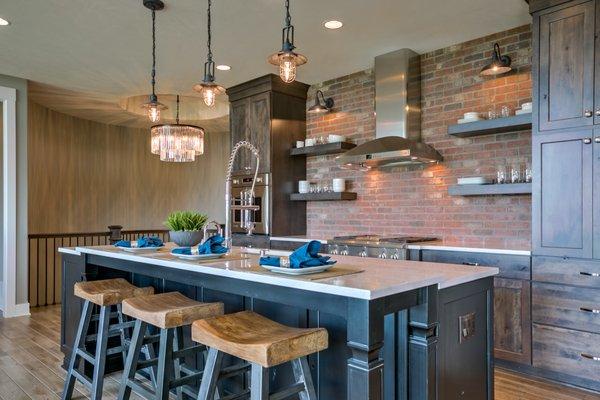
(592, 274)
(589, 310)
(598, 112)
(587, 140)
(472, 264)
(589, 357)
(588, 113)
(597, 139)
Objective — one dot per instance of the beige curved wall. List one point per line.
(84, 176)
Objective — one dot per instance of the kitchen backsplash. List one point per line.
(414, 200)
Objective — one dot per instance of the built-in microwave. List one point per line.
(261, 218)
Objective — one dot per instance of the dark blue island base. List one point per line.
(422, 344)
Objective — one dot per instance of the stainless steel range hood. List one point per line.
(398, 116)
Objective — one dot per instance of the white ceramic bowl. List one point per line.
(527, 106)
(471, 115)
(336, 138)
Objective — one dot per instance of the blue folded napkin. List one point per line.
(302, 257)
(144, 241)
(212, 245)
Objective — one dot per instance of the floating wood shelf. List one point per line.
(323, 196)
(322, 149)
(483, 190)
(490, 126)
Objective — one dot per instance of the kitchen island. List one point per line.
(398, 329)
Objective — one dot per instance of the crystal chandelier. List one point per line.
(208, 87)
(287, 59)
(153, 107)
(177, 142)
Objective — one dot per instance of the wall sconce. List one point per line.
(321, 108)
(500, 64)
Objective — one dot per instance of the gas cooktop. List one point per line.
(379, 240)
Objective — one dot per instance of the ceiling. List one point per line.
(100, 50)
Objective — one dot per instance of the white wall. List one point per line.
(1, 197)
(21, 86)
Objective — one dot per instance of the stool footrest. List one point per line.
(86, 355)
(114, 350)
(96, 317)
(82, 378)
(141, 389)
(187, 370)
(236, 396)
(143, 364)
(288, 391)
(94, 336)
(190, 351)
(234, 370)
(186, 380)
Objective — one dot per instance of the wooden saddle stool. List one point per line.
(264, 344)
(102, 294)
(169, 313)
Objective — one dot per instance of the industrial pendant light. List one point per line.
(500, 64)
(153, 107)
(177, 142)
(287, 59)
(208, 87)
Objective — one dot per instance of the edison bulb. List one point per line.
(287, 68)
(154, 113)
(209, 96)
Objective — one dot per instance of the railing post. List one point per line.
(115, 233)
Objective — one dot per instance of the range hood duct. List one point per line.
(397, 116)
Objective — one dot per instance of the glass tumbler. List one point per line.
(501, 174)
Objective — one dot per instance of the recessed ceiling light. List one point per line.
(333, 24)
(223, 67)
(4, 22)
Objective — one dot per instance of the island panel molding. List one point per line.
(408, 200)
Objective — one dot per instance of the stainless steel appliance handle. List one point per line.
(592, 274)
(472, 264)
(589, 310)
(589, 357)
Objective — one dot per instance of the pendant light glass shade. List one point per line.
(153, 109)
(287, 59)
(177, 142)
(208, 88)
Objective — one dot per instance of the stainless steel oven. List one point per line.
(261, 218)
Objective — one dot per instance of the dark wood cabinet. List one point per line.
(271, 115)
(562, 195)
(512, 320)
(566, 67)
(596, 194)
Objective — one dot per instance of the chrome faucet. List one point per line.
(247, 199)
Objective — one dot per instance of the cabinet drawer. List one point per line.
(566, 306)
(567, 270)
(510, 266)
(568, 352)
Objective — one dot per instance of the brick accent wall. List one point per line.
(414, 200)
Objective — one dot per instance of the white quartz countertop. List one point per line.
(431, 245)
(379, 278)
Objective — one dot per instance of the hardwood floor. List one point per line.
(30, 366)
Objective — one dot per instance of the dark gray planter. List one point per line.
(186, 238)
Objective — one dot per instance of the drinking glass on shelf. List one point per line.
(505, 112)
(528, 173)
(515, 173)
(501, 174)
(492, 113)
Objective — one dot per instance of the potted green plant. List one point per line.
(186, 227)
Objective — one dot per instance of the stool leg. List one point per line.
(303, 375)
(210, 376)
(165, 364)
(259, 383)
(100, 357)
(124, 333)
(132, 359)
(84, 323)
(178, 345)
(148, 351)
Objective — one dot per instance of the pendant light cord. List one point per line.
(209, 32)
(288, 16)
(153, 52)
(177, 115)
